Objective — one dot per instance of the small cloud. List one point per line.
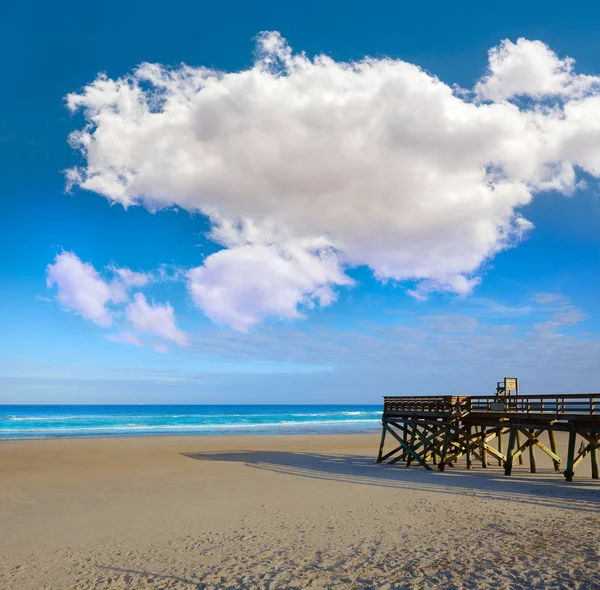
(493, 308)
(563, 314)
(131, 278)
(82, 290)
(161, 348)
(156, 319)
(125, 338)
(170, 272)
(546, 298)
(452, 323)
(504, 328)
(44, 299)
(458, 284)
(569, 317)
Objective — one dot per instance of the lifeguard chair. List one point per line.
(507, 392)
(510, 386)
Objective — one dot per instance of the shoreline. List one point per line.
(186, 435)
(107, 421)
(300, 429)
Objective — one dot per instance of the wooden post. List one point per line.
(532, 466)
(519, 446)
(468, 448)
(442, 464)
(594, 457)
(405, 438)
(571, 455)
(383, 431)
(482, 447)
(411, 444)
(509, 453)
(553, 448)
(500, 446)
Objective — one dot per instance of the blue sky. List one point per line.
(337, 287)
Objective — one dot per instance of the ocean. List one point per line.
(77, 421)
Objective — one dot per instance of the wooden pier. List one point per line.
(441, 430)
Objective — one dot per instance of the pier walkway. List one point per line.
(440, 430)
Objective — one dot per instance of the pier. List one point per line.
(439, 431)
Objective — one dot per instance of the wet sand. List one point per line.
(284, 512)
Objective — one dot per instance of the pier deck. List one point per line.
(441, 430)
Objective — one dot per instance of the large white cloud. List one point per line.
(309, 166)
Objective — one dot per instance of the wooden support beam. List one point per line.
(411, 444)
(532, 466)
(381, 444)
(390, 454)
(428, 442)
(456, 449)
(476, 454)
(482, 447)
(492, 451)
(594, 439)
(424, 442)
(594, 446)
(583, 451)
(468, 448)
(533, 438)
(405, 437)
(489, 436)
(408, 449)
(500, 461)
(512, 439)
(519, 445)
(446, 442)
(570, 455)
(554, 449)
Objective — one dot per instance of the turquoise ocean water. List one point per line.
(18, 422)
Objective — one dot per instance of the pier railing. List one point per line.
(443, 404)
(586, 404)
(581, 404)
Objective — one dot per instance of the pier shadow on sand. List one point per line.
(546, 488)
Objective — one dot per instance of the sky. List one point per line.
(260, 202)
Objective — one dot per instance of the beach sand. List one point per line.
(284, 512)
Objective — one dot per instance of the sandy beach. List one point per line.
(283, 512)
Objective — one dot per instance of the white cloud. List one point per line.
(531, 68)
(81, 289)
(155, 319)
(262, 274)
(125, 338)
(129, 278)
(376, 162)
(452, 323)
(563, 313)
(548, 298)
(44, 299)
